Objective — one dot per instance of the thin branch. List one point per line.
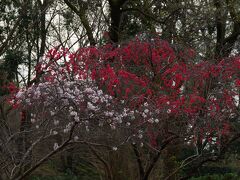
(139, 161)
(60, 148)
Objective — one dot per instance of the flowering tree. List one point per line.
(145, 93)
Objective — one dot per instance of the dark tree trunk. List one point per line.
(116, 16)
(224, 45)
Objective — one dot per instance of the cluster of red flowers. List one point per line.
(154, 72)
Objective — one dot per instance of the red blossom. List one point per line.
(237, 82)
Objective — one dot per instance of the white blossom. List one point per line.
(76, 118)
(91, 106)
(65, 102)
(76, 91)
(95, 99)
(73, 113)
(66, 130)
(59, 90)
(55, 122)
(144, 115)
(76, 138)
(33, 120)
(70, 108)
(109, 114)
(19, 94)
(113, 127)
(146, 111)
(173, 83)
(157, 111)
(151, 120)
(99, 92)
(115, 148)
(52, 113)
(27, 100)
(55, 146)
(89, 90)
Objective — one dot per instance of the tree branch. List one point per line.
(82, 15)
(140, 166)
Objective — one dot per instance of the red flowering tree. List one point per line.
(146, 93)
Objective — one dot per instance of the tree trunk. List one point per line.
(116, 15)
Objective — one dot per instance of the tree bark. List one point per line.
(115, 15)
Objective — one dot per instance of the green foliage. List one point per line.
(228, 176)
(64, 177)
(53, 171)
(68, 18)
(11, 62)
(9, 67)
